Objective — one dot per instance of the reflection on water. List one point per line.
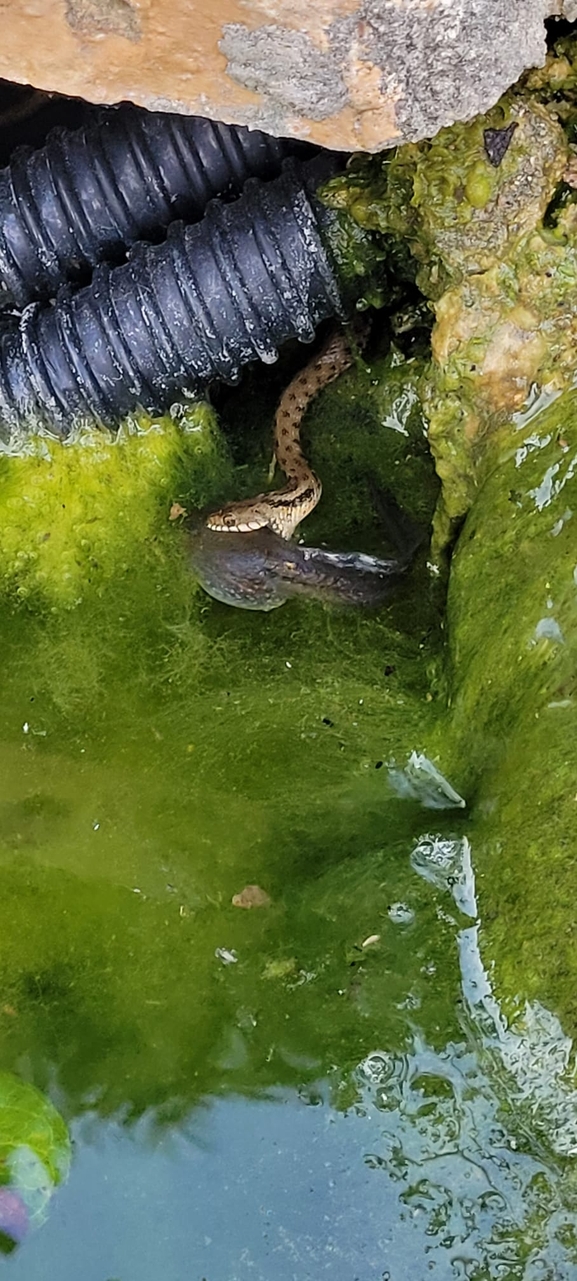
(422, 1168)
(34, 1158)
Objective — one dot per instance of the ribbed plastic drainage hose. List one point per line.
(213, 297)
(88, 193)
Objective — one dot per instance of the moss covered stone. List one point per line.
(513, 723)
(159, 751)
(494, 249)
(501, 279)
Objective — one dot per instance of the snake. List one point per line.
(282, 510)
(242, 554)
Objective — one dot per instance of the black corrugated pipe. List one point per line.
(88, 193)
(211, 298)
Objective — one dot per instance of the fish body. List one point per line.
(260, 570)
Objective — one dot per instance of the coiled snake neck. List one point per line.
(283, 509)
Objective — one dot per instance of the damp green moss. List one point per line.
(77, 515)
(512, 622)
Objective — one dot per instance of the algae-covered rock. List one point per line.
(513, 627)
(457, 211)
(158, 751)
(501, 273)
(491, 238)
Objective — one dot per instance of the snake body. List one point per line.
(283, 509)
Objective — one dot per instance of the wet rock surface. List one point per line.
(492, 247)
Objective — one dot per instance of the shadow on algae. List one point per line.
(160, 751)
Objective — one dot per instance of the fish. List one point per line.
(260, 570)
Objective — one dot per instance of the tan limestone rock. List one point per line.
(350, 74)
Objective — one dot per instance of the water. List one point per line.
(352, 1081)
(316, 1108)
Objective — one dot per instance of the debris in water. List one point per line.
(420, 780)
(446, 863)
(251, 896)
(227, 958)
(497, 143)
(400, 914)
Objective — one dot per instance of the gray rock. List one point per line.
(411, 66)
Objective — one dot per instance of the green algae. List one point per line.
(512, 622)
(493, 250)
(378, 404)
(76, 513)
(498, 270)
(421, 194)
(159, 751)
(359, 260)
